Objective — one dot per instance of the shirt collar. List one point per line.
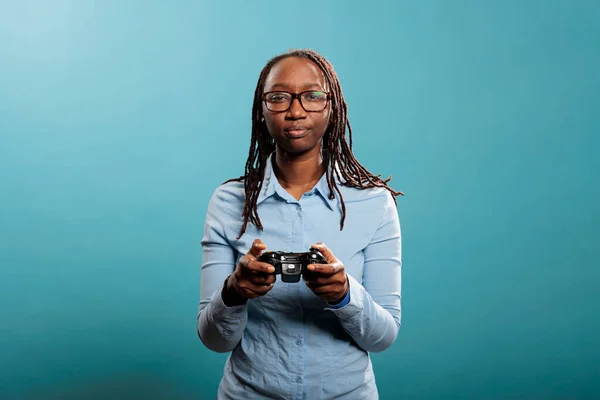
(272, 186)
(323, 189)
(268, 185)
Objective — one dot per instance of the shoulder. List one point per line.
(368, 196)
(230, 191)
(372, 206)
(228, 195)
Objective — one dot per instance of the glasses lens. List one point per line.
(278, 101)
(314, 100)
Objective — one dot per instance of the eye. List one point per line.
(278, 97)
(315, 95)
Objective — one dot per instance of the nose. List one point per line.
(296, 111)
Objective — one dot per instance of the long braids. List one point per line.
(344, 166)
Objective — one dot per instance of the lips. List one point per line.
(296, 131)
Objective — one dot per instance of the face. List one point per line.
(296, 130)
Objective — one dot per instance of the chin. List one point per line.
(297, 149)
(296, 145)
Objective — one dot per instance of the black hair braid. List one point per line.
(341, 163)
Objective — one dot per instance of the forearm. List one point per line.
(373, 327)
(221, 323)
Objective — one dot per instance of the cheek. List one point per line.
(269, 120)
(272, 124)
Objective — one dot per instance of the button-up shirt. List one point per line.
(291, 344)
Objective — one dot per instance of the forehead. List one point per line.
(295, 73)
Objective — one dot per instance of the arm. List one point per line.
(219, 327)
(372, 315)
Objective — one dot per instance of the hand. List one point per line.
(328, 281)
(251, 277)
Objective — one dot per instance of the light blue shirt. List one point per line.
(290, 344)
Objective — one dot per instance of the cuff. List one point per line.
(227, 320)
(344, 301)
(222, 311)
(353, 302)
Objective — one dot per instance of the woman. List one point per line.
(302, 189)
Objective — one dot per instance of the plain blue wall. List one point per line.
(118, 119)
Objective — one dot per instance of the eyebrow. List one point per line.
(305, 86)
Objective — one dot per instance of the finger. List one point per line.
(255, 266)
(327, 253)
(326, 269)
(324, 280)
(262, 279)
(253, 290)
(310, 276)
(257, 247)
(251, 266)
(324, 290)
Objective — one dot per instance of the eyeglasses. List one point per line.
(310, 100)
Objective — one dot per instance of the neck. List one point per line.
(300, 172)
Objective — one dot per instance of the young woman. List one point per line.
(302, 188)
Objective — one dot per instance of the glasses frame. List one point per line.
(297, 95)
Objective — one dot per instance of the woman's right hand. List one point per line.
(251, 277)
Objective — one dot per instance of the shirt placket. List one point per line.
(298, 337)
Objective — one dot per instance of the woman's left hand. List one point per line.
(328, 281)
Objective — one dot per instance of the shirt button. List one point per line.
(299, 379)
(298, 342)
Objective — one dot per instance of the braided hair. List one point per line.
(346, 167)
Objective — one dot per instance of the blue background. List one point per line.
(118, 119)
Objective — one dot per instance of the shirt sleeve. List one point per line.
(372, 315)
(220, 328)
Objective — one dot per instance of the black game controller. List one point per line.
(291, 265)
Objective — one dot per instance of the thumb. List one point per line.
(328, 254)
(257, 247)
